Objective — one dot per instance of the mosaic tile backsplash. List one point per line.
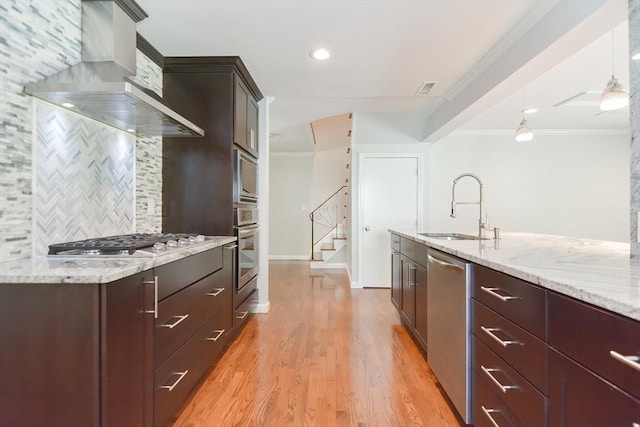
(84, 184)
(39, 38)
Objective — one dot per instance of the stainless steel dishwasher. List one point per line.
(448, 350)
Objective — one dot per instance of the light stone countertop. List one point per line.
(594, 271)
(60, 269)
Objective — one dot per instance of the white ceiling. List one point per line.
(384, 49)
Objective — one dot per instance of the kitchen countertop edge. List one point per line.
(565, 278)
(78, 270)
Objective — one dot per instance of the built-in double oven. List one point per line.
(247, 228)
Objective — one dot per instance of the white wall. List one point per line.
(290, 178)
(373, 134)
(573, 185)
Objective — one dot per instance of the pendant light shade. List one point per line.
(614, 96)
(524, 132)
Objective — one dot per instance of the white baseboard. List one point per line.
(262, 308)
(356, 285)
(288, 257)
(335, 265)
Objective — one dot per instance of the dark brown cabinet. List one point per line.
(579, 397)
(245, 122)
(77, 354)
(509, 350)
(409, 285)
(125, 353)
(594, 373)
(197, 186)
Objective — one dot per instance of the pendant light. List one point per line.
(523, 132)
(614, 96)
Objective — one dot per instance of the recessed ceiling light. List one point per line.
(636, 57)
(530, 110)
(320, 54)
(68, 105)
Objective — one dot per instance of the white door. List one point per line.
(389, 191)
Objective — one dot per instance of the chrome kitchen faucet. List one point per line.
(482, 223)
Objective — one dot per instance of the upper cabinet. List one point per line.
(245, 121)
(197, 185)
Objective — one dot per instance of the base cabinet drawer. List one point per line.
(523, 351)
(578, 398)
(176, 378)
(488, 409)
(589, 335)
(183, 313)
(526, 403)
(521, 302)
(242, 314)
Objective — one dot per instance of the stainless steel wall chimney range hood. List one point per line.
(100, 86)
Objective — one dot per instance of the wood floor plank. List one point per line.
(325, 355)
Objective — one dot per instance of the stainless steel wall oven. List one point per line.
(247, 230)
(245, 178)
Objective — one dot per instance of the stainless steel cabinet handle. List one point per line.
(503, 388)
(252, 138)
(630, 361)
(214, 339)
(176, 323)
(490, 332)
(242, 315)
(412, 268)
(492, 292)
(155, 296)
(215, 292)
(444, 263)
(172, 386)
(231, 246)
(488, 413)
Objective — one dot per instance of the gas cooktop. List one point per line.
(140, 244)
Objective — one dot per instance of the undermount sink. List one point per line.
(452, 236)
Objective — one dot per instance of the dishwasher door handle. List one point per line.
(444, 264)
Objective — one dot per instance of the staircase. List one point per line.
(328, 230)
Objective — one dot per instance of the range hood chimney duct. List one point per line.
(101, 87)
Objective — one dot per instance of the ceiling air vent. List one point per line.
(425, 88)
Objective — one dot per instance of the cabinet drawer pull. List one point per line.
(215, 292)
(630, 361)
(503, 388)
(155, 296)
(488, 413)
(231, 246)
(214, 339)
(172, 386)
(492, 292)
(490, 332)
(242, 315)
(176, 323)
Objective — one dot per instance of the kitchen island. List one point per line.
(553, 325)
(594, 271)
(112, 340)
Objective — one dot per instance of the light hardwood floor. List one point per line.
(325, 355)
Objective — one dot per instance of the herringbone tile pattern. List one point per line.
(84, 183)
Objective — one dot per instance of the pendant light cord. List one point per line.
(613, 62)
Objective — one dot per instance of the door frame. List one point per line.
(419, 196)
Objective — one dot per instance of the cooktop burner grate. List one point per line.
(125, 243)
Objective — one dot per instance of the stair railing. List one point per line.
(326, 217)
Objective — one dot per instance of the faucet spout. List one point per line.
(480, 202)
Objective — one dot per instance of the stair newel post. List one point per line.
(312, 236)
